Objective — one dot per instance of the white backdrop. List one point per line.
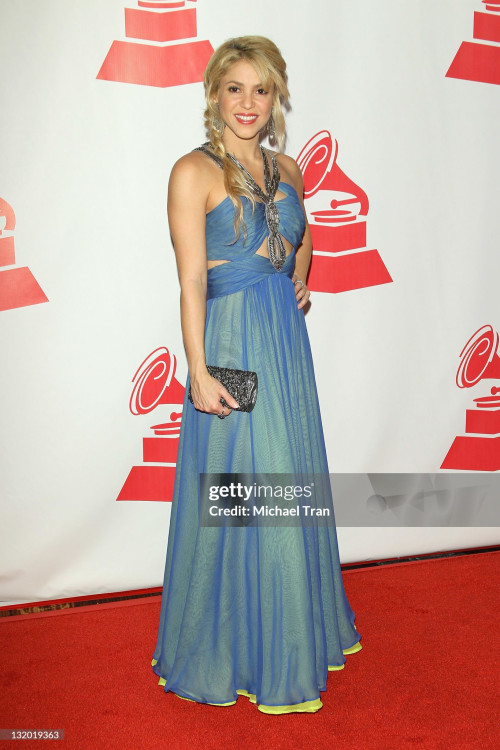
(84, 166)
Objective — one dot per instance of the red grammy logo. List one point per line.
(336, 210)
(479, 449)
(155, 384)
(476, 61)
(165, 56)
(18, 286)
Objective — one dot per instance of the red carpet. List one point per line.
(426, 678)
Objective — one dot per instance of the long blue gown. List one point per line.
(254, 611)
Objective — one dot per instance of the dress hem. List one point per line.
(310, 706)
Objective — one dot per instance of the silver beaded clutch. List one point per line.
(241, 384)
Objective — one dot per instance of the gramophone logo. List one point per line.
(479, 448)
(155, 384)
(336, 210)
(480, 60)
(18, 286)
(160, 49)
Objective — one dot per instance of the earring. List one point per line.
(219, 124)
(271, 132)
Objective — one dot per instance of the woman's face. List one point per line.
(244, 104)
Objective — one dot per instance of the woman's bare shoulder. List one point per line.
(290, 171)
(192, 166)
(193, 174)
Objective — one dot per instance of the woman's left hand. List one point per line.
(301, 291)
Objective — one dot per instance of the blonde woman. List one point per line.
(253, 609)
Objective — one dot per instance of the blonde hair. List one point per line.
(266, 58)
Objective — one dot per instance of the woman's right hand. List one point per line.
(207, 391)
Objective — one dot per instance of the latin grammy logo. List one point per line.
(336, 210)
(155, 384)
(160, 49)
(479, 448)
(477, 60)
(18, 286)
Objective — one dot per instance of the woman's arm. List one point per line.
(188, 190)
(304, 251)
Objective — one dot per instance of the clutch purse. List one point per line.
(241, 384)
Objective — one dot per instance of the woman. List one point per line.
(255, 610)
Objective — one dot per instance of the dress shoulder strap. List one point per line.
(204, 148)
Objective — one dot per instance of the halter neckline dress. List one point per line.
(259, 611)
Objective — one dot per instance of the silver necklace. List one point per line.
(275, 247)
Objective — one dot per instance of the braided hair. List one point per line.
(266, 58)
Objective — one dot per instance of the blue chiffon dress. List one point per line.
(258, 611)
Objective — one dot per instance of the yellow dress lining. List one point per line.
(305, 707)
